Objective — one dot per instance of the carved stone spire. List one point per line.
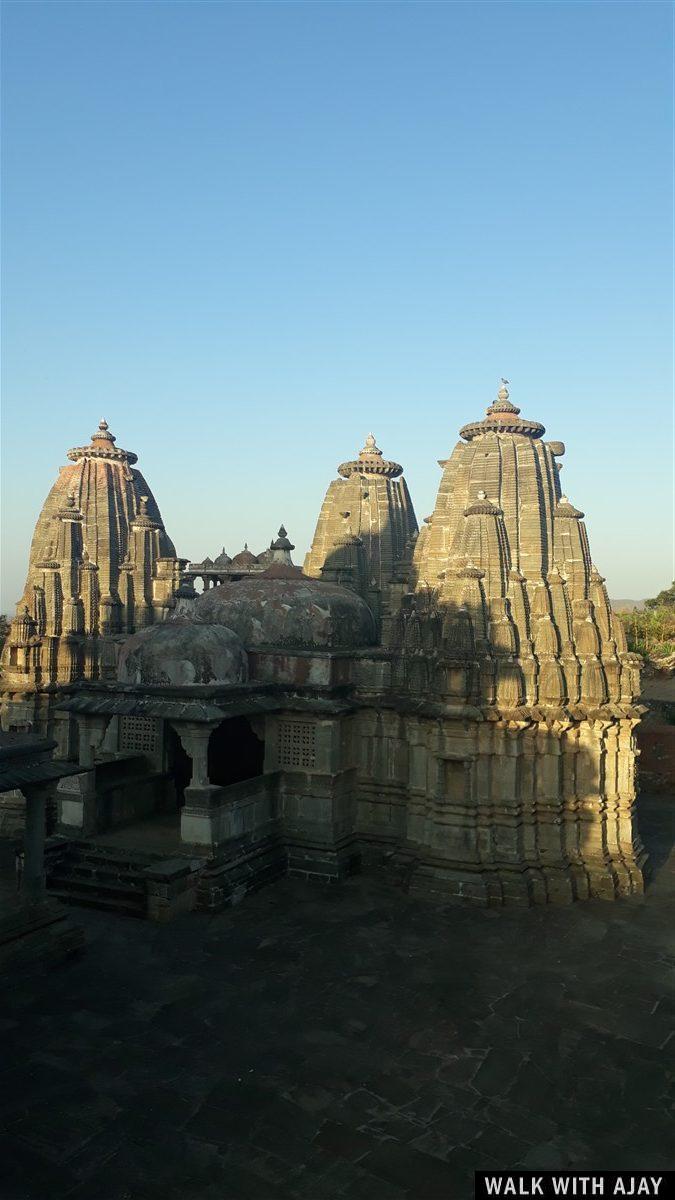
(100, 563)
(370, 503)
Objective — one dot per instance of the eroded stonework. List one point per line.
(458, 706)
(101, 566)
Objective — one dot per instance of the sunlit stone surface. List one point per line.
(459, 703)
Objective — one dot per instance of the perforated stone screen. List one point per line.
(140, 734)
(296, 745)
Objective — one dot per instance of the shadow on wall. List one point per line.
(558, 793)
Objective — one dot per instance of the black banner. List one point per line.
(545, 1185)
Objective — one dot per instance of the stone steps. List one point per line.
(99, 877)
(130, 908)
(83, 885)
(131, 882)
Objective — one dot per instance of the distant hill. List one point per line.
(627, 605)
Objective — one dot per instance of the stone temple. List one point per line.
(455, 706)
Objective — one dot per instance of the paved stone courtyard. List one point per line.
(327, 1042)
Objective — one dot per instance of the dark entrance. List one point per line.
(178, 764)
(235, 753)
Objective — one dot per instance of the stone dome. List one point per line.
(244, 558)
(296, 613)
(179, 653)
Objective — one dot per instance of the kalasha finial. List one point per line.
(370, 462)
(503, 393)
(371, 446)
(482, 495)
(103, 432)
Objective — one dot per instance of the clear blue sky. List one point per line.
(246, 234)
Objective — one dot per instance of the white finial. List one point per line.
(371, 446)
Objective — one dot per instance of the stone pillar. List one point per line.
(199, 817)
(195, 738)
(76, 794)
(92, 729)
(33, 883)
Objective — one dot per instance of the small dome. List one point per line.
(223, 559)
(295, 613)
(244, 559)
(180, 654)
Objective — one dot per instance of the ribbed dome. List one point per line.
(300, 613)
(179, 653)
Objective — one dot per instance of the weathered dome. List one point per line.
(303, 614)
(180, 654)
(244, 558)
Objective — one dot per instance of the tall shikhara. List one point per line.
(366, 529)
(507, 619)
(101, 566)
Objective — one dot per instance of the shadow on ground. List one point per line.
(344, 1042)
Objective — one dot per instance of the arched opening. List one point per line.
(178, 764)
(235, 752)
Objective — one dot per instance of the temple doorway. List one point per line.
(235, 752)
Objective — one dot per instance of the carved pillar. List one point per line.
(200, 813)
(195, 737)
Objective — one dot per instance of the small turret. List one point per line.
(281, 549)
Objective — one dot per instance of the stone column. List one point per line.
(92, 729)
(195, 739)
(77, 801)
(33, 883)
(200, 815)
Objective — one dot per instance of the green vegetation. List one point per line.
(652, 631)
(665, 599)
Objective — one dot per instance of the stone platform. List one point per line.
(345, 1042)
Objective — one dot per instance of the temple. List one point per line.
(455, 707)
(101, 565)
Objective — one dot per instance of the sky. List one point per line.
(247, 234)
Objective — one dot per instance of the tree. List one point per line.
(665, 599)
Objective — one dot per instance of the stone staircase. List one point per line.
(103, 877)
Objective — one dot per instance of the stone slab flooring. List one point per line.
(328, 1042)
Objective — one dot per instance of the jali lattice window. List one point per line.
(296, 744)
(139, 734)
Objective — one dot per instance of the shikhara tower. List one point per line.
(366, 528)
(460, 703)
(531, 798)
(101, 565)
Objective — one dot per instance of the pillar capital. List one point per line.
(194, 736)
